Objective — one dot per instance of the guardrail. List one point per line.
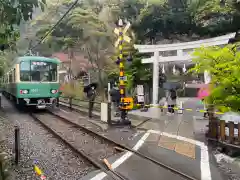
(102, 110)
(96, 105)
(79, 102)
(226, 133)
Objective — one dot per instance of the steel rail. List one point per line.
(125, 147)
(93, 161)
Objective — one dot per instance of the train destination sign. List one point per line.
(39, 63)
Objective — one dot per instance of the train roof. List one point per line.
(37, 58)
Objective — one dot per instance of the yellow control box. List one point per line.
(128, 103)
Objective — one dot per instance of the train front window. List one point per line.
(25, 71)
(38, 71)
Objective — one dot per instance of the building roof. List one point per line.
(80, 60)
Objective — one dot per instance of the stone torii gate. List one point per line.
(181, 56)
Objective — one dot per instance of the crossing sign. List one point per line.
(123, 78)
(125, 38)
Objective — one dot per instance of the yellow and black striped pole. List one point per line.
(121, 64)
(121, 74)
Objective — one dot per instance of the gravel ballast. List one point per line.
(92, 145)
(55, 159)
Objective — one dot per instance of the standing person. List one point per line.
(171, 100)
(91, 94)
(205, 109)
(115, 98)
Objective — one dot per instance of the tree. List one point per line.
(14, 12)
(223, 65)
(86, 30)
(137, 72)
(42, 25)
(96, 39)
(215, 17)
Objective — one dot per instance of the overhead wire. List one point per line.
(54, 26)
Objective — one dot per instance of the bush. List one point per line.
(74, 90)
(223, 65)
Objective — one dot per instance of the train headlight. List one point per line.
(54, 91)
(23, 91)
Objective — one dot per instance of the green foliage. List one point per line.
(73, 90)
(223, 65)
(12, 13)
(215, 17)
(151, 19)
(136, 72)
(89, 28)
(6, 58)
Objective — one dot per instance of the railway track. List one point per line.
(90, 147)
(94, 157)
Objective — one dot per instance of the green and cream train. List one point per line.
(32, 81)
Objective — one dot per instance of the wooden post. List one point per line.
(57, 102)
(70, 103)
(238, 132)
(17, 145)
(222, 130)
(231, 131)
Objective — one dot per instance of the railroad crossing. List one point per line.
(160, 147)
(176, 141)
(167, 147)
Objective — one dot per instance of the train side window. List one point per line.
(25, 71)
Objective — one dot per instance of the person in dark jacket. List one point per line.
(91, 94)
(115, 98)
(171, 100)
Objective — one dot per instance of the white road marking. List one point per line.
(99, 176)
(64, 111)
(141, 141)
(123, 158)
(205, 167)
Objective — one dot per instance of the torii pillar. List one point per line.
(179, 47)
